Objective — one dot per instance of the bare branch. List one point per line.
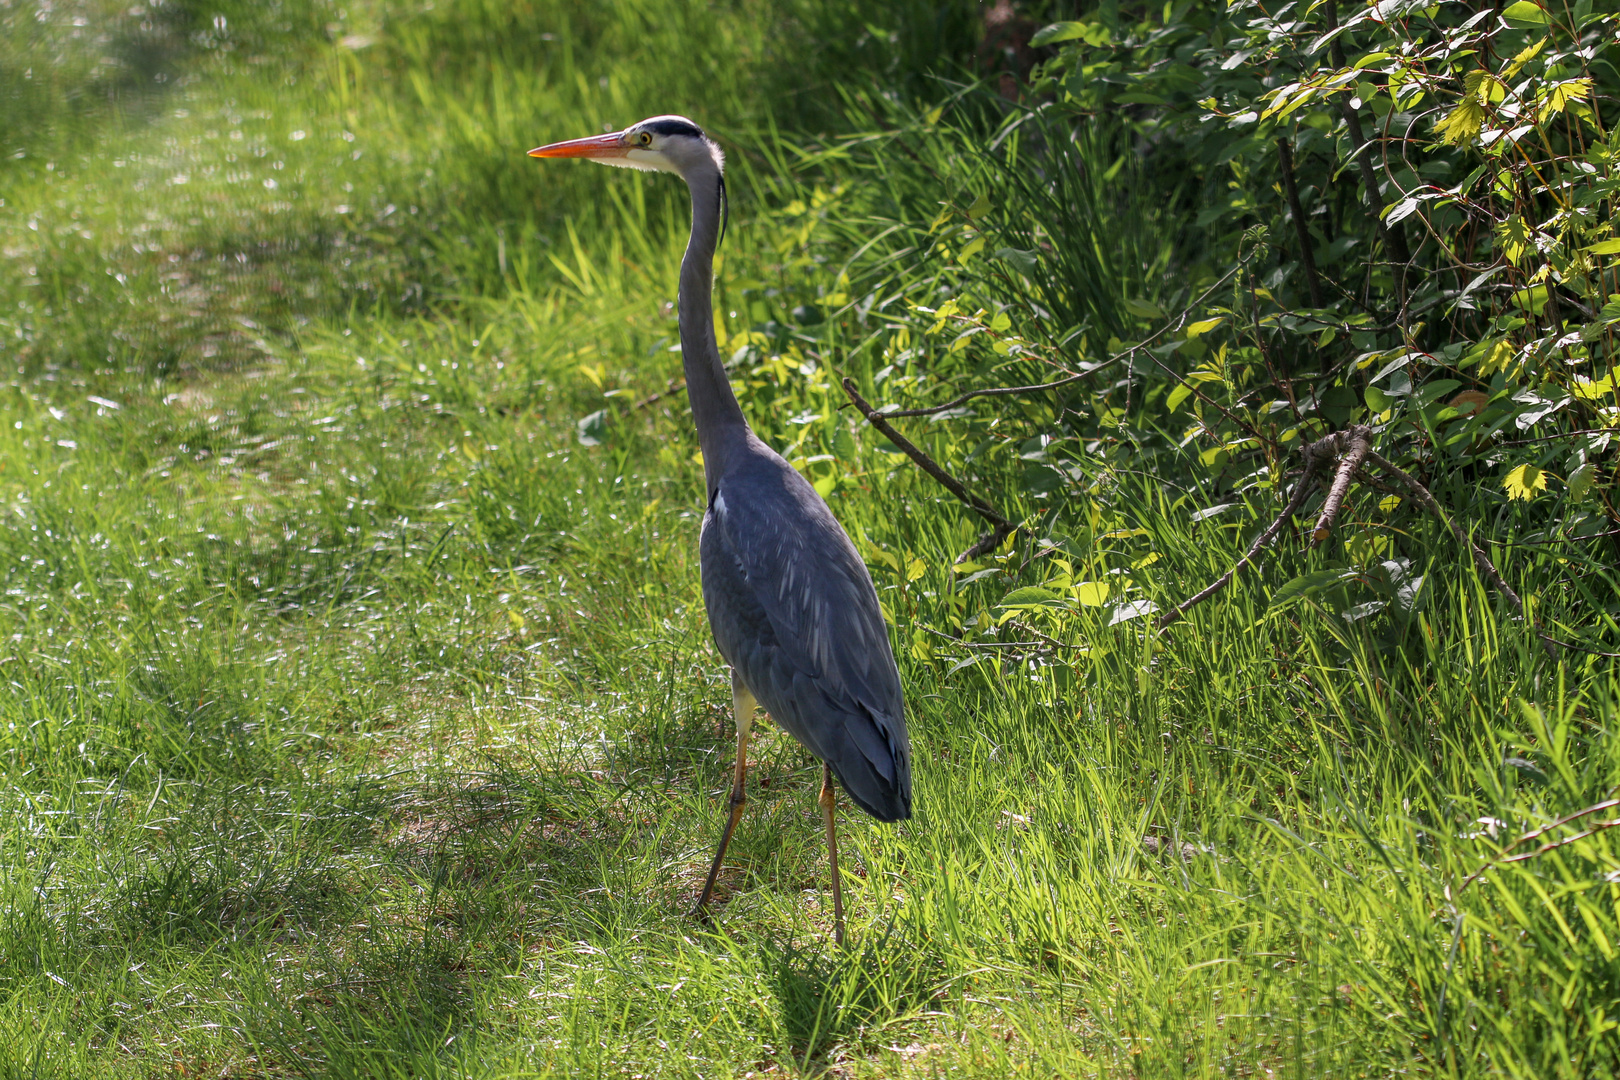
(1426, 499)
(1536, 834)
(1307, 258)
(1550, 640)
(930, 466)
(987, 542)
(1307, 484)
(1393, 236)
(998, 391)
(1359, 438)
(674, 385)
(1317, 455)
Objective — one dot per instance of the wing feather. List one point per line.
(793, 609)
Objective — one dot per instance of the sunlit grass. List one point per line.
(358, 720)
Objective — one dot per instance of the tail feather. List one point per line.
(885, 798)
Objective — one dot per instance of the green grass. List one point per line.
(356, 720)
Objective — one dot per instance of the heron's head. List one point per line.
(660, 144)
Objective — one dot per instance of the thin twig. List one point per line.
(1549, 639)
(1306, 484)
(1172, 324)
(1427, 500)
(926, 463)
(1051, 641)
(1394, 236)
(1307, 258)
(1536, 834)
(1316, 455)
(1559, 435)
(998, 391)
(987, 542)
(674, 385)
(1359, 438)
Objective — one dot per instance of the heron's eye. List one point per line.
(645, 138)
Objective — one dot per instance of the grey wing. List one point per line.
(793, 609)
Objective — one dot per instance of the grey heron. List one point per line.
(790, 604)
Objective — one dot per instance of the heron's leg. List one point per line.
(828, 801)
(742, 704)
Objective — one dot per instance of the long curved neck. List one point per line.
(719, 419)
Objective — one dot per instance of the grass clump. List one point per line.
(359, 718)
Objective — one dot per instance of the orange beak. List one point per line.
(594, 146)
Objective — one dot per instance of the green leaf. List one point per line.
(1059, 31)
(1029, 596)
(1462, 123)
(1377, 400)
(1144, 309)
(874, 552)
(1021, 261)
(1580, 481)
(1091, 593)
(1524, 14)
(980, 207)
(1409, 595)
(1402, 210)
(1515, 237)
(1135, 609)
(1307, 585)
(843, 444)
(1561, 95)
(1593, 389)
(1605, 247)
(1211, 511)
(1436, 390)
(1532, 299)
(1524, 481)
(1525, 55)
(592, 429)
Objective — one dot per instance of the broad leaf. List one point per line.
(1091, 593)
(1022, 261)
(1211, 511)
(1029, 596)
(592, 429)
(1135, 609)
(1058, 31)
(1524, 14)
(1462, 123)
(1524, 481)
(1307, 585)
(1580, 481)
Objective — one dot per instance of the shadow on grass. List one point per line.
(399, 1006)
(839, 996)
(252, 862)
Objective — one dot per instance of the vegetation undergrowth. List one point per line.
(358, 714)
